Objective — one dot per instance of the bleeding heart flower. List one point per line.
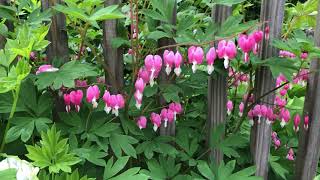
(285, 116)
(76, 98)
(93, 94)
(142, 122)
(296, 122)
(153, 64)
(290, 155)
(46, 68)
(67, 102)
(176, 108)
(304, 55)
(226, 50)
(277, 143)
(168, 58)
(241, 108)
(80, 83)
(211, 56)
(267, 32)
(250, 117)
(105, 98)
(177, 62)
(258, 36)
(195, 55)
(306, 122)
(144, 74)
(246, 43)
(229, 107)
(156, 120)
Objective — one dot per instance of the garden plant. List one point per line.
(159, 89)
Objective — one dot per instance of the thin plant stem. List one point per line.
(13, 109)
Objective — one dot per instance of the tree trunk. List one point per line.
(273, 11)
(170, 130)
(57, 35)
(217, 90)
(309, 142)
(113, 57)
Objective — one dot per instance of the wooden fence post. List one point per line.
(272, 12)
(113, 57)
(170, 130)
(309, 142)
(57, 35)
(217, 90)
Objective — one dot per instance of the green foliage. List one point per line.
(64, 176)
(123, 143)
(52, 152)
(65, 76)
(8, 174)
(224, 172)
(277, 168)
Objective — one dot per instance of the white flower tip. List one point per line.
(165, 123)
(138, 105)
(240, 114)
(251, 122)
(210, 69)
(228, 112)
(155, 128)
(283, 123)
(177, 71)
(168, 70)
(107, 109)
(226, 63)
(94, 104)
(194, 68)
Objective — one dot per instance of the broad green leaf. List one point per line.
(112, 169)
(92, 154)
(205, 170)
(65, 76)
(131, 174)
(156, 35)
(123, 143)
(106, 13)
(8, 174)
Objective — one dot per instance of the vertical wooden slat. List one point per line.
(309, 142)
(217, 90)
(170, 130)
(273, 11)
(57, 35)
(113, 57)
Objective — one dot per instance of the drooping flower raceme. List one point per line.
(153, 64)
(142, 122)
(211, 57)
(93, 94)
(226, 50)
(76, 98)
(246, 43)
(156, 121)
(25, 170)
(46, 68)
(195, 56)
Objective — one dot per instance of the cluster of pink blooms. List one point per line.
(276, 140)
(249, 43)
(237, 77)
(302, 77)
(171, 60)
(112, 102)
(290, 155)
(166, 115)
(261, 111)
(290, 55)
(46, 68)
(75, 97)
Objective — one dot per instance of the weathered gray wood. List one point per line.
(273, 11)
(170, 130)
(57, 35)
(113, 57)
(309, 142)
(217, 90)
